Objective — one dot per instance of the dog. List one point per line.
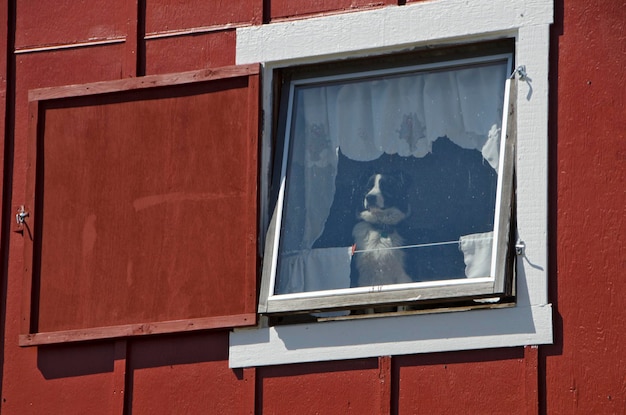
(379, 256)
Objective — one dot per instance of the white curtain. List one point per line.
(316, 270)
(476, 250)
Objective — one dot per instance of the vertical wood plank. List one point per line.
(141, 38)
(531, 362)
(384, 376)
(27, 227)
(249, 384)
(129, 61)
(7, 88)
(252, 167)
(119, 376)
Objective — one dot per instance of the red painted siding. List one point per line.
(318, 388)
(41, 24)
(196, 369)
(163, 16)
(584, 372)
(47, 380)
(161, 211)
(286, 8)
(187, 53)
(445, 383)
(26, 388)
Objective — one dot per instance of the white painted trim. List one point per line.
(394, 27)
(532, 159)
(397, 28)
(427, 333)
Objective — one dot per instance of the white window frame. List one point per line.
(497, 283)
(402, 28)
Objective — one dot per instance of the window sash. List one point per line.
(499, 283)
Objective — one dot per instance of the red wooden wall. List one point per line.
(585, 370)
(54, 43)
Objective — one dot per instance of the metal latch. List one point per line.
(521, 71)
(21, 216)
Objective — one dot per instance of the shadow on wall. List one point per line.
(80, 359)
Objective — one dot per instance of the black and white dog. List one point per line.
(378, 253)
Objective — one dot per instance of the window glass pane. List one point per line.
(391, 177)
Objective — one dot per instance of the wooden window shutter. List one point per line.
(142, 206)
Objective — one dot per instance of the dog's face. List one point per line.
(386, 199)
(386, 191)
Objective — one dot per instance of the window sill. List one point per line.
(352, 339)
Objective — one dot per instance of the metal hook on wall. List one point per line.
(521, 71)
(523, 76)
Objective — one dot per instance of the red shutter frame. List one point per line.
(198, 270)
